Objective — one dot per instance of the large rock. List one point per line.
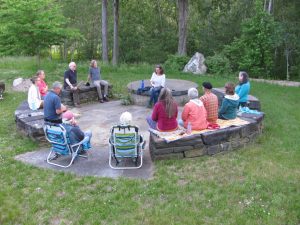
(21, 85)
(17, 81)
(196, 64)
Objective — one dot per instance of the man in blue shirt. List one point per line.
(52, 104)
(70, 83)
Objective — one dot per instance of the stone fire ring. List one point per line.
(179, 90)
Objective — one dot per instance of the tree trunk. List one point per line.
(270, 7)
(182, 25)
(104, 32)
(116, 33)
(287, 52)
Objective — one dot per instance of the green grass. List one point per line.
(257, 185)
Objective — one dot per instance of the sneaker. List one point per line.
(106, 99)
(101, 101)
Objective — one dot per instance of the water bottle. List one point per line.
(142, 84)
(189, 128)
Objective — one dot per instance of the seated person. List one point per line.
(34, 97)
(194, 112)
(157, 81)
(210, 102)
(76, 135)
(95, 78)
(230, 103)
(70, 83)
(52, 104)
(126, 120)
(243, 88)
(164, 115)
(43, 88)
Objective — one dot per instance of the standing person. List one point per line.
(52, 104)
(95, 77)
(43, 88)
(230, 103)
(210, 102)
(70, 83)
(158, 80)
(34, 97)
(164, 115)
(194, 112)
(243, 88)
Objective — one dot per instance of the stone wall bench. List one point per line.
(30, 122)
(209, 143)
(179, 91)
(86, 94)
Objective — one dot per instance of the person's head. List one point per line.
(93, 63)
(68, 117)
(159, 70)
(229, 88)
(56, 87)
(166, 97)
(72, 66)
(41, 74)
(126, 119)
(243, 77)
(207, 86)
(35, 80)
(193, 93)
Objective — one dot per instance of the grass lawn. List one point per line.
(257, 185)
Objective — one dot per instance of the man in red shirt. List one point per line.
(43, 88)
(210, 102)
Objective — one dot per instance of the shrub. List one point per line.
(218, 64)
(176, 62)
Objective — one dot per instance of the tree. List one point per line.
(116, 33)
(182, 26)
(28, 27)
(104, 32)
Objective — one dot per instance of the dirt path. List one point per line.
(279, 82)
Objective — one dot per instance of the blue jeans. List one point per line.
(154, 93)
(151, 123)
(87, 145)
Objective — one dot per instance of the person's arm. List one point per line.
(151, 80)
(163, 81)
(224, 107)
(59, 108)
(155, 112)
(66, 77)
(243, 91)
(185, 113)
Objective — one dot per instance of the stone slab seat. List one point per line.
(179, 91)
(30, 122)
(209, 143)
(86, 94)
(253, 102)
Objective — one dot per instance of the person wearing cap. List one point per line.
(53, 108)
(75, 133)
(70, 82)
(243, 88)
(194, 112)
(210, 102)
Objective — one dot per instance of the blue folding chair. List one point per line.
(57, 135)
(125, 142)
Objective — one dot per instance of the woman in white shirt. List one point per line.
(158, 80)
(34, 97)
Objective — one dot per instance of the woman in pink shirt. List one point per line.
(164, 115)
(194, 112)
(43, 88)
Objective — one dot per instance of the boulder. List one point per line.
(196, 64)
(21, 85)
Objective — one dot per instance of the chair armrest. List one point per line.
(81, 142)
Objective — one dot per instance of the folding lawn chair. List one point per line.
(57, 135)
(125, 143)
